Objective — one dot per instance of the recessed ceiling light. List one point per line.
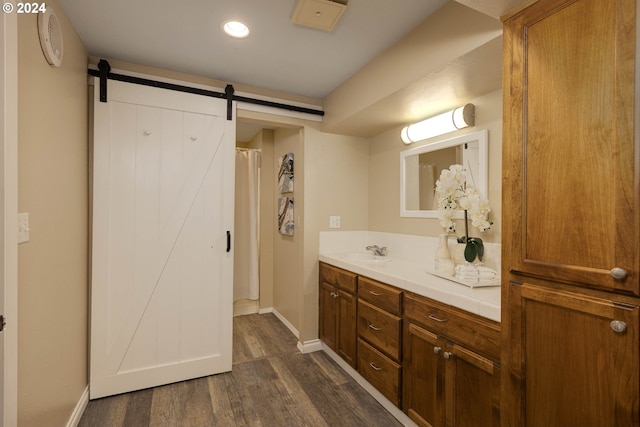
(235, 29)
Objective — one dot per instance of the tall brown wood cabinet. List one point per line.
(571, 216)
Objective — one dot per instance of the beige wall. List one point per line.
(414, 77)
(384, 179)
(336, 179)
(53, 186)
(287, 250)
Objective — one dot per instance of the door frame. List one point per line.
(9, 214)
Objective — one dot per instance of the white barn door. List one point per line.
(162, 270)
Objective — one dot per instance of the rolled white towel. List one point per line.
(476, 274)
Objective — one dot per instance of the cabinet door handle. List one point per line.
(618, 326)
(447, 355)
(437, 350)
(432, 317)
(375, 294)
(373, 327)
(375, 367)
(619, 273)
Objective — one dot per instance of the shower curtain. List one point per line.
(246, 282)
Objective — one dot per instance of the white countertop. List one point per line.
(412, 276)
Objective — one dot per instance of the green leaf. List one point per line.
(473, 249)
(470, 251)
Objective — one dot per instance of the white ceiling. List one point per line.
(185, 36)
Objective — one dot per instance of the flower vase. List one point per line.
(443, 263)
(458, 254)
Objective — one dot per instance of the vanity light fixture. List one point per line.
(235, 29)
(458, 118)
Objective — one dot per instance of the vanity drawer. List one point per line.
(338, 277)
(466, 328)
(378, 294)
(380, 328)
(381, 372)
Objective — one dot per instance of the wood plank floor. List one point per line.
(271, 384)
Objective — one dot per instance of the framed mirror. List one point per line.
(420, 168)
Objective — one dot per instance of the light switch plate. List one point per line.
(334, 221)
(23, 227)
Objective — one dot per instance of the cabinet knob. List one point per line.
(437, 350)
(619, 273)
(447, 355)
(618, 326)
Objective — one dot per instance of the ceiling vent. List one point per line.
(50, 35)
(320, 14)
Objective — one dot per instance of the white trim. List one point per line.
(310, 346)
(265, 310)
(393, 409)
(9, 169)
(481, 181)
(78, 411)
(286, 323)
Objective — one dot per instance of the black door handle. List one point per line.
(228, 241)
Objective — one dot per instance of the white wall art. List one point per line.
(285, 173)
(285, 216)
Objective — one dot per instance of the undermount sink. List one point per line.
(366, 257)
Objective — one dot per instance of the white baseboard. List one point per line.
(265, 310)
(393, 409)
(79, 409)
(310, 346)
(286, 323)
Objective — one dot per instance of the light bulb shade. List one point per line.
(450, 121)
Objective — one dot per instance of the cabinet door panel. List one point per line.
(327, 312)
(570, 193)
(346, 327)
(472, 389)
(423, 380)
(577, 369)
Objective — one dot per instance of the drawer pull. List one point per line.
(619, 273)
(618, 326)
(432, 317)
(375, 367)
(375, 294)
(373, 327)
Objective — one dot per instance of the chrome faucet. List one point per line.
(377, 250)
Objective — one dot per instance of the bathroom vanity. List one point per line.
(428, 345)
